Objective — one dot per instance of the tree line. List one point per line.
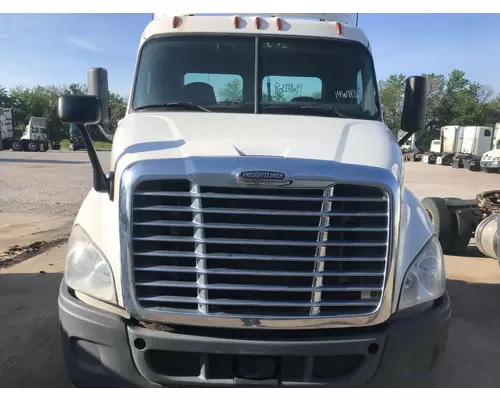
(41, 101)
(452, 100)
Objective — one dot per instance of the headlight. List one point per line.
(87, 270)
(425, 279)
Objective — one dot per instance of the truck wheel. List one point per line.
(460, 240)
(17, 146)
(32, 146)
(441, 218)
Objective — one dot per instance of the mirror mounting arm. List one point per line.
(406, 136)
(100, 180)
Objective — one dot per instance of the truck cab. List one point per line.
(490, 161)
(430, 157)
(254, 228)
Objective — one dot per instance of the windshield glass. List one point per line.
(300, 76)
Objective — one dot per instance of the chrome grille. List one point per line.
(255, 252)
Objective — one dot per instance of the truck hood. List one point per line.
(490, 155)
(142, 136)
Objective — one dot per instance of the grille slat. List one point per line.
(255, 252)
(258, 288)
(182, 224)
(227, 302)
(228, 271)
(183, 239)
(260, 212)
(202, 256)
(321, 199)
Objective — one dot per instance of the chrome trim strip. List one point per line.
(319, 264)
(219, 171)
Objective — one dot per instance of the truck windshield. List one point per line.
(299, 76)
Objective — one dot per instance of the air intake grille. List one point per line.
(259, 253)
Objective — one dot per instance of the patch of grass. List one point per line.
(97, 144)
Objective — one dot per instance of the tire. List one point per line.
(17, 146)
(441, 218)
(32, 146)
(460, 239)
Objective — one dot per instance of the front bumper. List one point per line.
(490, 164)
(105, 350)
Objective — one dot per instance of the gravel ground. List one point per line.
(52, 183)
(57, 182)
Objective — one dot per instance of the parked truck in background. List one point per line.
(451, 140)
(35, 136)
(490, 161)
(476, 141)
(430, 156)
(6, 128)
(253, 237)
(411, 150)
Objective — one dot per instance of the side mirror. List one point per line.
(98, 86)
(415, 105)
(80, 109)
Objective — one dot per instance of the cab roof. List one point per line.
(306, 25)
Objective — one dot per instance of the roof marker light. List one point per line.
(175, 22)
(339, 28)
(236, 22)
(257, 22)
(279, 24)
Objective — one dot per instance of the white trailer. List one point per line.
(476, 141)
(232, 222)
(6, 128)
(450, 140)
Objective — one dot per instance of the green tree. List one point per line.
(232, 91)
(391, 97)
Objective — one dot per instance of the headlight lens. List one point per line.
(425, 280)
(87, 270)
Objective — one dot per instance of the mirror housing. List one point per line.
(98, 86)
(80, 109)
(415, 104)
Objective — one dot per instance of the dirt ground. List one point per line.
(30, 354)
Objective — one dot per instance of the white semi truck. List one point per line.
(450, 141)
(34, 138)
(430, 156)
(490, 161)
(476, 140)
(255, 228)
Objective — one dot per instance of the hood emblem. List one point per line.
(263, 178)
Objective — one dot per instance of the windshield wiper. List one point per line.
(304, 108)
(176, 104)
